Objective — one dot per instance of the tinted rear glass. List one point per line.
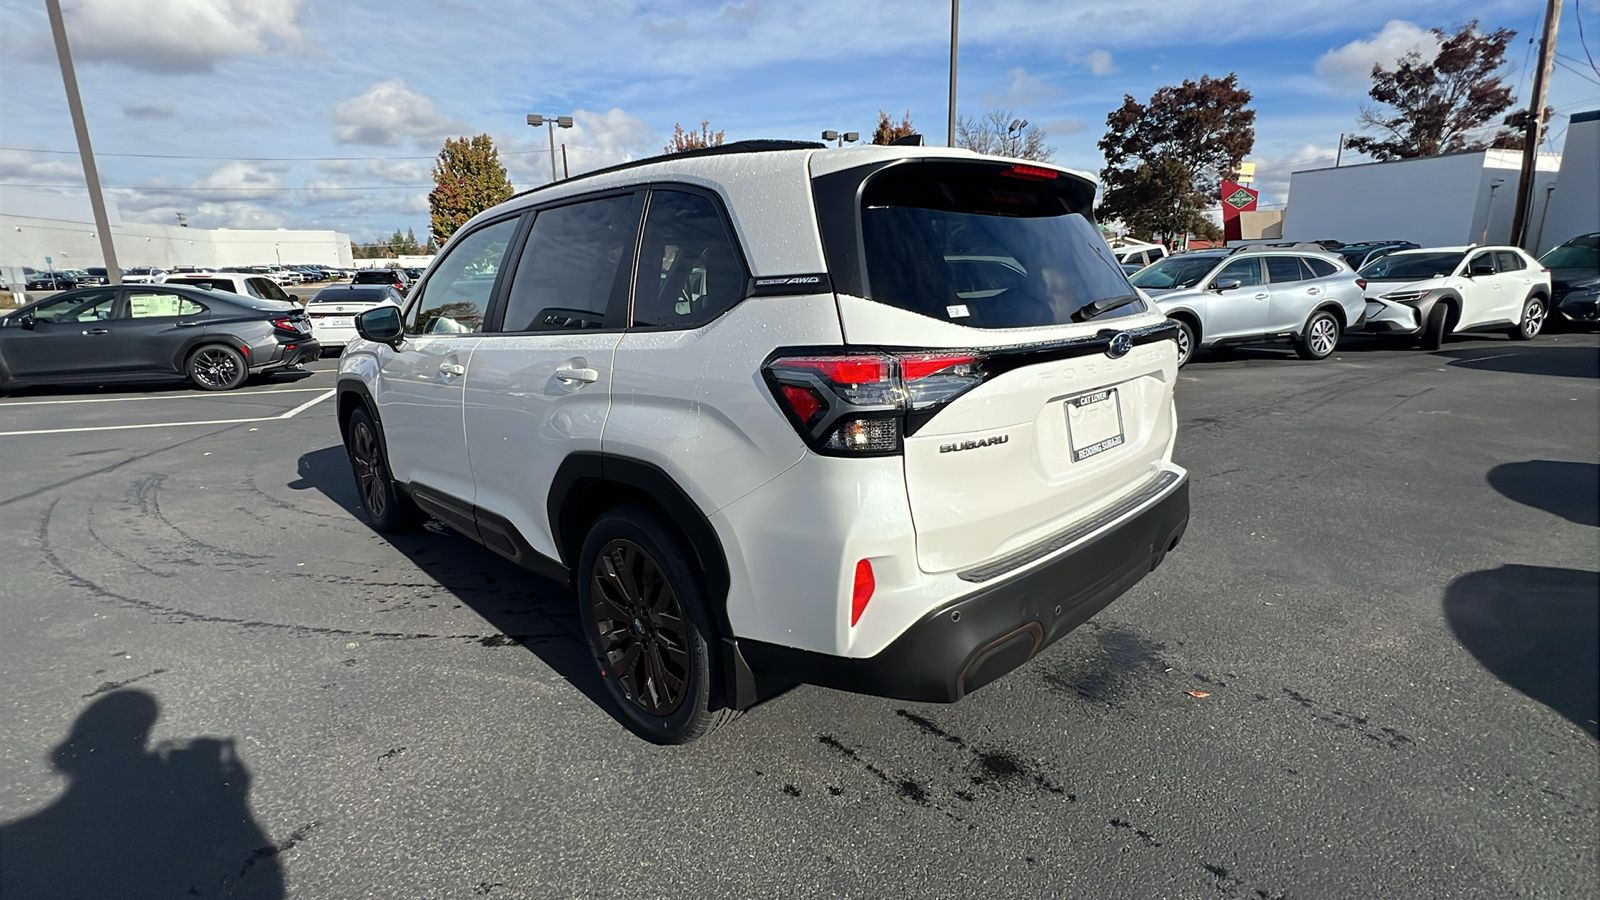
(1413, 265)
(347, 295)
(978, 246)
(1578, 253)
(382, 276)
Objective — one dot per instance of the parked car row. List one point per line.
(1312, 298)
(283, 276)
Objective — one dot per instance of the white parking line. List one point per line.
(205, 396)
(288, 415)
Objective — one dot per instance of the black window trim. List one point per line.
(420, 287)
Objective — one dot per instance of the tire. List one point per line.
(643, 604)
(1186, 342)
(217, 367)
(1320, 336)
(386, 507)
(1433, 328)
(1534, 313)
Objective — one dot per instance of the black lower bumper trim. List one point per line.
(970, 642)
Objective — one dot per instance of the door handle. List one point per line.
(577, 374)
(1313, 290)
(190, 324)
(1261, 296)
(451, 370)
(97, 331)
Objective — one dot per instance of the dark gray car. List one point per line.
(141, 332)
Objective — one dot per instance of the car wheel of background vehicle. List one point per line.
(1533, 314)
(1434, 326)
(217, 367)
(1320, 338)
(387, 508)
(1185, 342)
(641, 598)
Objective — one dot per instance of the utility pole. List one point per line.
(955, 27)
(1339, 153)
(80, 126)
(1535, 133)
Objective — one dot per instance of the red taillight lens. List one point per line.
(845, 369)
(285, 324)
(1361, 283)
(1031, 173)
(804, 402)
(914, 367)
(862, 592)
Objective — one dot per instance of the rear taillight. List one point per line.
(1361, 283)
(865, 404)
(285, 324)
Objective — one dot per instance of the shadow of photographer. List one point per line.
(140, 822)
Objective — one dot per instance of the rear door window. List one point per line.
(571, 274)
(689, 272)
(987, 246)
(1284, 269)
(1508, 261)
(160, 304)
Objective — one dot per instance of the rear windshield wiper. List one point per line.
(1104, 305)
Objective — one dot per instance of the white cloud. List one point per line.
(1273, 171)
(388, 113)
(1350, 67)
(1098, 62)
(1023, 89)
(19, 167)
(178, 35)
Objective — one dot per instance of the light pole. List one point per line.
(551, 122)
(80, 127)
(1012, 131)
(955, 22)
(841, 137)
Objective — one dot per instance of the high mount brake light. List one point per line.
(1031, 173)
(864, 404)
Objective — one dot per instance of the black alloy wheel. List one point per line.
(217, 367)
(386, 507)
(641, 596)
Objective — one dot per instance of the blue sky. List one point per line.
(321, 114)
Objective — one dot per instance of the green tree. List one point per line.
(1165, 159)
(690, 140)
(468, 179)
(1432, 106)
(889, 130)
(999, 133)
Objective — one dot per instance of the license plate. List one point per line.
(339, 321)
(1094, 424)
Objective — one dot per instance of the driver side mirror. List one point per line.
(26, 320)
(381, 325)
(1225, 284)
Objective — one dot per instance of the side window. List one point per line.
(1508, 261)
(1482, 264)
(1246, 271)
(154, 305)
(689, 272)
(1284, 269)
(90, 307)
(1320, 268)
(568, 272)
(457, 295)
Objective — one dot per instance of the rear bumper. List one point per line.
(307, 350)
(967, 643)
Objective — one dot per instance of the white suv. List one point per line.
(884, 419)
(1433, 292)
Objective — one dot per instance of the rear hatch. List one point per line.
(1041, 384)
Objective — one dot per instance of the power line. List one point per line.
(255, 158)
(1577, 71)
(224, 190)
(1577, 13)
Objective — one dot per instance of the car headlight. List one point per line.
(1406, 296)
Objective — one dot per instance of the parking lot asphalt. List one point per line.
(1370, 670)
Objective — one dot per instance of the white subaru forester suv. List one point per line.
(884, 419)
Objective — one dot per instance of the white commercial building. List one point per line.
(36, 227)
(1452, 199)
(1574, 208)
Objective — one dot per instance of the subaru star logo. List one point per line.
(1120, 345)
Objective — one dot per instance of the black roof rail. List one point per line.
(755, 146)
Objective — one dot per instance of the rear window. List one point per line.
(346, 295)
(988, 246)
(379, 276)
(1413, 266)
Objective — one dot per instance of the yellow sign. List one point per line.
(1247, 173)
